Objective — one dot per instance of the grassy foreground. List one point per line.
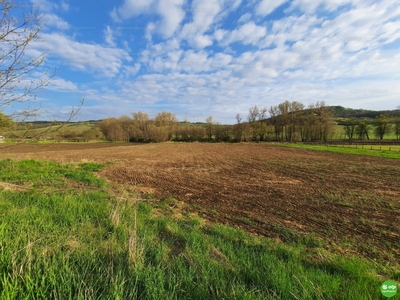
(350, 150)
(66, 234)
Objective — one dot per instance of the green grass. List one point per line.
(348, 150)
(51, 131)
(49, 174)
(341, 134)
(101, 243)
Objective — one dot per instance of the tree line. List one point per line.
(340, 111)
(288, 121)
(379, 127)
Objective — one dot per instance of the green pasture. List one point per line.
(377, 150)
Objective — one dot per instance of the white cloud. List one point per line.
(221, 60)
(172, 16)
(62, 85)
(149, 31)
(131, 70)
(44, 5)
(109, 37)
(134, 7)
(248, 33)
(53, 20)
(114, 15)
(202, 41)
(265, 7)
(171, 13)
(204, 12)
(219, 34)
(244, 18)
(64, 6)
(345, 49)
(83, 56)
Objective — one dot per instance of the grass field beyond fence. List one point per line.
(66, 234)
(370, 150)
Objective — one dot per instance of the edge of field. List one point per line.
(344, 150)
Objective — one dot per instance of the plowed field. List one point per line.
(351, 202)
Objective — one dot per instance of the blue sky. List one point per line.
(217, 57)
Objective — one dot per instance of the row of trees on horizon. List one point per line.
(363, 128)
(288, 121)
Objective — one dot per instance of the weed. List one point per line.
(246, 221)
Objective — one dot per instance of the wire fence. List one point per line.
(367, 146)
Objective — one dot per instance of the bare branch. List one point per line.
(18, 78)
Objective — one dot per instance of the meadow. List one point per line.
(387, 151)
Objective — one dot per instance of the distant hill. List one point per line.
(61, 122)
(342, 112)
(339, 112)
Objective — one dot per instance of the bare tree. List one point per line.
(158, 134)
(262, 114)
(324, 128)
(196, 133)
(362, 129)
(238, 128)
(112, 130)
(397, 126)
(253, 114)
(291, 122)
(141, 122)
(209, 127)
(275, 121)
(168, 121)
(19, 76)
(283, 109)
(382, 126)
(127, 126)
(238, 119)
(350, 127)
(256, 119)
(21, 70)
(293, 119)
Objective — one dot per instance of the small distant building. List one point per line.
(2, 139)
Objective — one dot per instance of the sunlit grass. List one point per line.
(352, 149)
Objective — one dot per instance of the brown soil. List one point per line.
(349, 199)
